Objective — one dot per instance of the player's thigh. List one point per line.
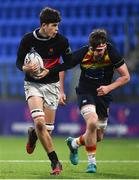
(88, 111)
(102, 105)
(33, 95)
(35, 102)
(49, 115)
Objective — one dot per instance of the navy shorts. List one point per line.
(101, 102)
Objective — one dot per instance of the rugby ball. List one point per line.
(34, 58)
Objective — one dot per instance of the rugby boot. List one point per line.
(73, 152)
(56, 168)
(91, 168)
(32, 138)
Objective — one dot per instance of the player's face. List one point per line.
(99, 52)
(51, 29)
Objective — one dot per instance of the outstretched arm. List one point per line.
(70, 61)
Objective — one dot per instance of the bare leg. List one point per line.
(40, 128)
(37, 110)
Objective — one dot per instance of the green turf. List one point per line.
(12, 148)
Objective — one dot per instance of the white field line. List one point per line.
(66, 161)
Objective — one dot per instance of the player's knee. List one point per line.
(92, 123)
(40, 125)
(39, 118)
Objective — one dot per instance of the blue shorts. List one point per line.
(101, 102)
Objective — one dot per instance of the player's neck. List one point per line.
(42, 33)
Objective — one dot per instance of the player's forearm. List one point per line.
(68, 64)
(119, 82)
(60, 68)
(61, 80)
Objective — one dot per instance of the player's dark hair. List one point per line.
(49, 15)
(97, 37)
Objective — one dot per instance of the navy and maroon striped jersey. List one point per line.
(50, 49)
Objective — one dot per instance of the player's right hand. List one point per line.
(30, 68)
(62, 99)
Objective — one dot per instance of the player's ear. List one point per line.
(44, 25)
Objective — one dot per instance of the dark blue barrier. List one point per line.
(123, 120)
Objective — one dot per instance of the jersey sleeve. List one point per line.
(23, 49)
(78, 55)
(66, 54)
(116, 58)
(70, 60)
(66, 51)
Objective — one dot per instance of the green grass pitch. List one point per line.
(116, 159)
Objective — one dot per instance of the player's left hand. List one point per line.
(43, 73)
(62, 99)
(103, 90)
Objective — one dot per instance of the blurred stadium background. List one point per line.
(79, 18)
